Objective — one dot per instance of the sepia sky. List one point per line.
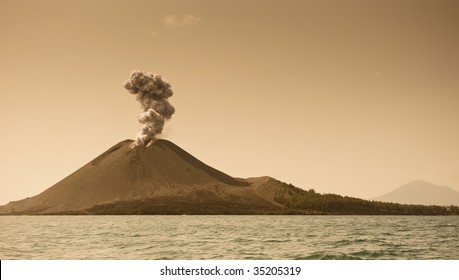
(352, 97)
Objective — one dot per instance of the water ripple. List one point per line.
(229, 237)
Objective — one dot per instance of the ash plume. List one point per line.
(152, 92)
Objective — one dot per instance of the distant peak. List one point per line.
(419, 181)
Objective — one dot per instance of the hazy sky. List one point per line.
(348, 97)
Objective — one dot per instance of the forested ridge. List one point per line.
(311, 202)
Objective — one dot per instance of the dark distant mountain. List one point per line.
(162, 178)
(421, 192)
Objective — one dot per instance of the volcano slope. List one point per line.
(161, 178)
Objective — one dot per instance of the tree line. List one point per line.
(310, 202)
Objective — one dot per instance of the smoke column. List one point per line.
(152, 92)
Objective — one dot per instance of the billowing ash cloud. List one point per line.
(152, 92)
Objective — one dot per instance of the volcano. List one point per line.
(163, 179)
(160, 178)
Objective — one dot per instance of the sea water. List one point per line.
(229, 237)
